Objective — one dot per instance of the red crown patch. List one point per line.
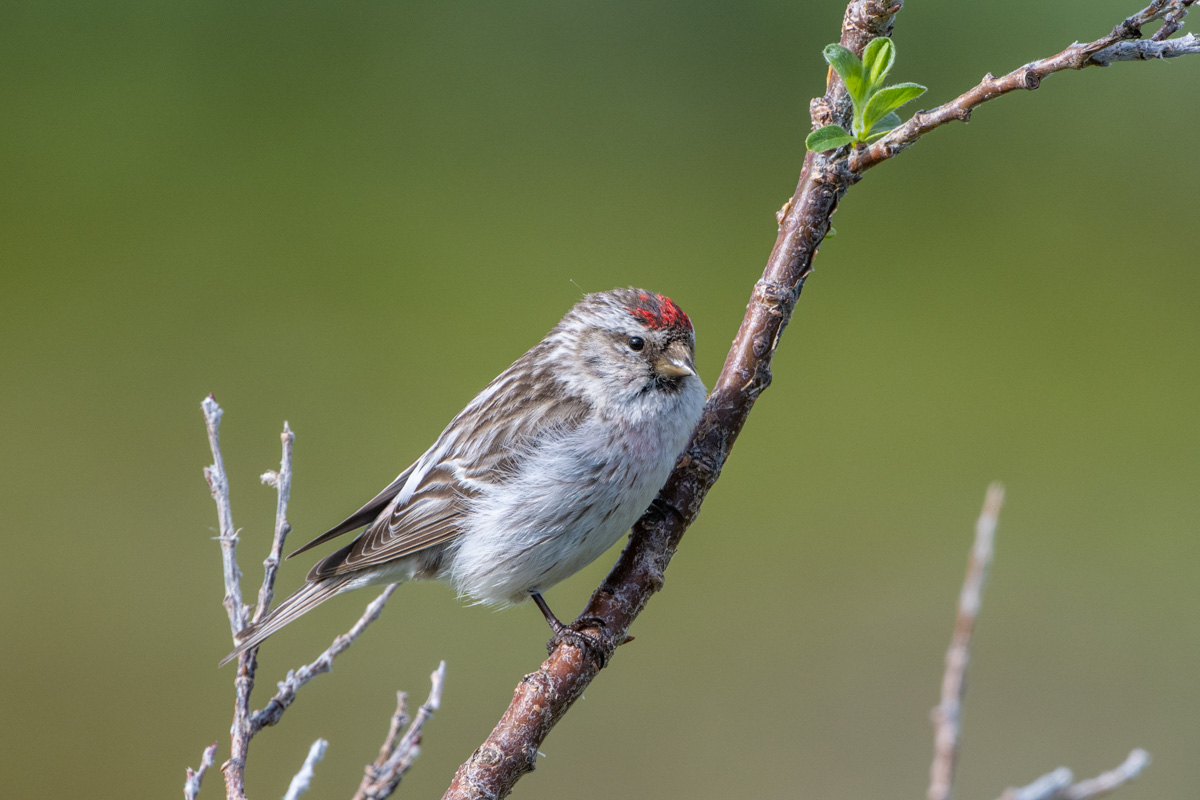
(659, 312)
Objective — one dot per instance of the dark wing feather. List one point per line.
(513, 416)
(428, 518)
(363, 516)
(305, 599)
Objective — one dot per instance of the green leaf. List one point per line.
(888, 99)
(886, 124)
(848, 68)
(827, 138)
(877, 61)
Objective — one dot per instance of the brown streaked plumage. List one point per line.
(538, 475)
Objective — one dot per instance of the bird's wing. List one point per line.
(364, 515)
(481, 448)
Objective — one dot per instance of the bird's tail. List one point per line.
(303, 600)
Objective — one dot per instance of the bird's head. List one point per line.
(630, 343)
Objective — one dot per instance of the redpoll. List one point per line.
(541, 473)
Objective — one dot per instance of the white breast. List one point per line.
(571, 500)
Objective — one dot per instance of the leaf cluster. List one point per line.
(874, 104)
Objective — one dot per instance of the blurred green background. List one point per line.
(352, 216)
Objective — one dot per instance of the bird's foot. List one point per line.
(599, 649)
(664, 509)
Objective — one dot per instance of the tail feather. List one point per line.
(305, 599)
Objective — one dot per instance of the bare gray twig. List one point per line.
(273, 710)
(218, 485)
(1044, 788)
(1130, 768)
(282, 482)
(1148, 50)
(398, 753)
(234, 769)
(1058, 784)
(302, 779)
(191, 786)
(947, 715)
(241, 730)
(400, 720)
(246, 725)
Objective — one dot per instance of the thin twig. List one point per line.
(246, 725)
(947, 715)
(218, 485)
(400, 720)
(273, 710)
(1147, 50)
(302, 779)
(239, 730)
(1116, 46)
(282, 481)
(1104, 783)
(398, 753)
(1172, 20)
(1057, 785)
(191, 786)
(1044, 788)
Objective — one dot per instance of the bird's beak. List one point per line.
(675, 362)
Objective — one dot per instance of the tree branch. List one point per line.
(1104, 783)
(1147, 50)
(1116, 46)
(398, 753)
(544, 696)
(191, 786)
(235, 768)
(947, 715)
(282, 482)
(241, 730)
(1057, 785)
(245, 724)
(273, 710)
(218, 486)
(302, 779)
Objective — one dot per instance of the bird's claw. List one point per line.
(597, 648)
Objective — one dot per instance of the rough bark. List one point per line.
(544, 696)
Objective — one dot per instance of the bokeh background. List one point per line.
(352, 216)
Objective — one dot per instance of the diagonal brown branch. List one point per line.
(544, 696)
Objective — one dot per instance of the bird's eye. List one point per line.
(636, 343)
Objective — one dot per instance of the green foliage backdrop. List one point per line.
(352, 216)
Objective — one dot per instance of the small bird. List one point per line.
(541, 473)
